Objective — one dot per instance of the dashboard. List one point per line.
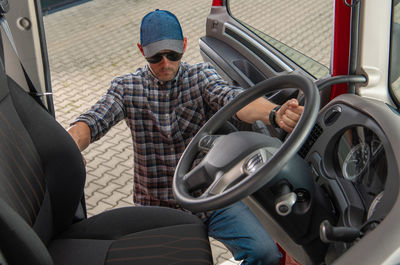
(351, 157)
(349, 160)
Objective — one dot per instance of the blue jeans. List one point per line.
(240, 231)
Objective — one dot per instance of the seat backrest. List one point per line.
(42, 175)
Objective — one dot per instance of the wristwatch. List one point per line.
(272, 116)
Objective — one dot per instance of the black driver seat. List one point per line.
(42, 179)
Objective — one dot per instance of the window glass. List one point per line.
(301, 30)
(394, 53)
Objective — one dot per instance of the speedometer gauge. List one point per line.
(362, 168)
(356, 161)
(374, 204)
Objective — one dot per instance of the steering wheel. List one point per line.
(240, 163)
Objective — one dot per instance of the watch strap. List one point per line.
(272, 116)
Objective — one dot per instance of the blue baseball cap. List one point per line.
(160, 30)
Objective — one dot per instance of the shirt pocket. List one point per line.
(190, 118)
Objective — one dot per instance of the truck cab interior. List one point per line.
(328, 193)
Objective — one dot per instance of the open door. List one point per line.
(241, 43)
(24, 22)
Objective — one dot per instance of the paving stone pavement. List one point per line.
(88, 45)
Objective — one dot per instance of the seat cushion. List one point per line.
(134, 235)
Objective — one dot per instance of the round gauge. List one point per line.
(373, 205)
(356, 161)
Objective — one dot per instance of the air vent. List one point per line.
(332, 115)
(312, 138)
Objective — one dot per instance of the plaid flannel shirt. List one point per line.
(163, 118)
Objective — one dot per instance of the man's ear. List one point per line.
(184, 44)
(140, 48)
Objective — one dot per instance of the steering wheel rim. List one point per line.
(267, 171)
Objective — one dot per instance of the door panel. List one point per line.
(238, 43)
(26, 32)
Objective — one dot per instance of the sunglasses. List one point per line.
(172, 56)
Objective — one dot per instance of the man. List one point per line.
(164, 104)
